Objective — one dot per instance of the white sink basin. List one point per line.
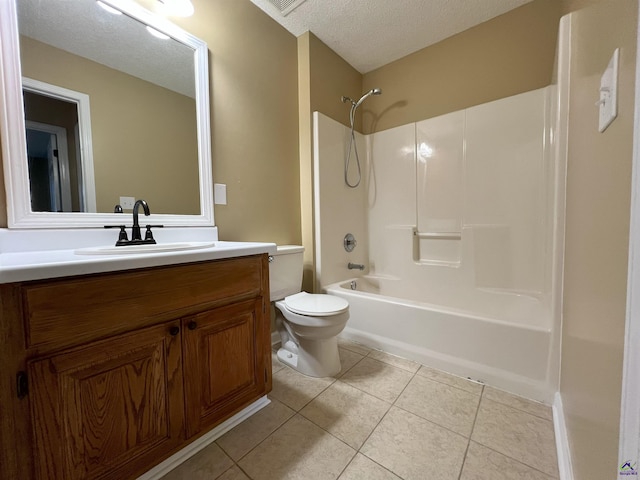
(139, 249)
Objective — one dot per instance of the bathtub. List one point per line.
(508, 349)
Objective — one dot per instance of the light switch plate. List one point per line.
(609, 93)
(220, 193)
(127, 202)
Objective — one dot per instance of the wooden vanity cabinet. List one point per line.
(121, 375)
(99, 408)
(221, 361)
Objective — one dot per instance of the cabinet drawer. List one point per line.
(69, 311)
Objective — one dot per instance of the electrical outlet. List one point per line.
(127, 202)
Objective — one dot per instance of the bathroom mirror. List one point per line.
(143, 84)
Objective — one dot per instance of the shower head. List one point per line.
(373, 91)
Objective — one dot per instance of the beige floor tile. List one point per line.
(295, 389)
(453, 380)
(238, 441)
(379, 379)
(534, 408)
(348, 359)
(483, 463)
(298, 450)
(234, 473)
(346, 412)
(516, 434)
(414, 448)
(362, 468)
(394, 360)
(447, 406)
(353, 346)
(208, 463)
(276, 365)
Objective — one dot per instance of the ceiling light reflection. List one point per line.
(157, 34)
(109, 8)
(425, 150)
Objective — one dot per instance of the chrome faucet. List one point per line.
(355, 266)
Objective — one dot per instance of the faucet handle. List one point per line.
(122, 235)
(148, 235)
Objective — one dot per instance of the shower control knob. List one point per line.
(349, 242)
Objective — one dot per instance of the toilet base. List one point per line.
(315, 358)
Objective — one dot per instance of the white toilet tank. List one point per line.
(285, 271)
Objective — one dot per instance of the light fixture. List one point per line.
(157, 34)
(178, 8)
(109, 8)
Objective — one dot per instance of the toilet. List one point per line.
(308, 324)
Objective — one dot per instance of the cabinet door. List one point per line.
(224, 351)
(110, 408)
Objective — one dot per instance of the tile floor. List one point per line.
(382, 418)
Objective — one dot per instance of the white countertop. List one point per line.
(43, 254)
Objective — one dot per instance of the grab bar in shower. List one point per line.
(438, 235)
(355, 266)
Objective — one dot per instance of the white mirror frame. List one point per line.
(13, 136)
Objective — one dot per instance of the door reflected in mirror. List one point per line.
(58, 178)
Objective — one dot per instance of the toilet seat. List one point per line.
(317, 305)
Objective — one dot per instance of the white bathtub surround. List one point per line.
(460, 242)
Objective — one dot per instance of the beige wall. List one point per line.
(510, 54)
(323, 78)
(160, 157)
(597, 230)
(331, 78)
(569, 6)
(254, 119)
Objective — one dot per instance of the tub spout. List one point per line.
(355, 266)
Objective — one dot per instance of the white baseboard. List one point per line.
(190, 450)
(275, 339)
(562, 440)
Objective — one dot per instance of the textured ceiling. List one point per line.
(83, 28)
(372, 33)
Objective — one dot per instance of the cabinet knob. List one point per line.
(173, 331)
(192, 325)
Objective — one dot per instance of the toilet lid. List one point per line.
(318, 305)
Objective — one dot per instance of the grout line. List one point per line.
(502, 453)
(482, 385)
(464, 457)
(520, 409)
(380, 465)
(347, 465)
(551, 477)
(347, 370)
(261, 441)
